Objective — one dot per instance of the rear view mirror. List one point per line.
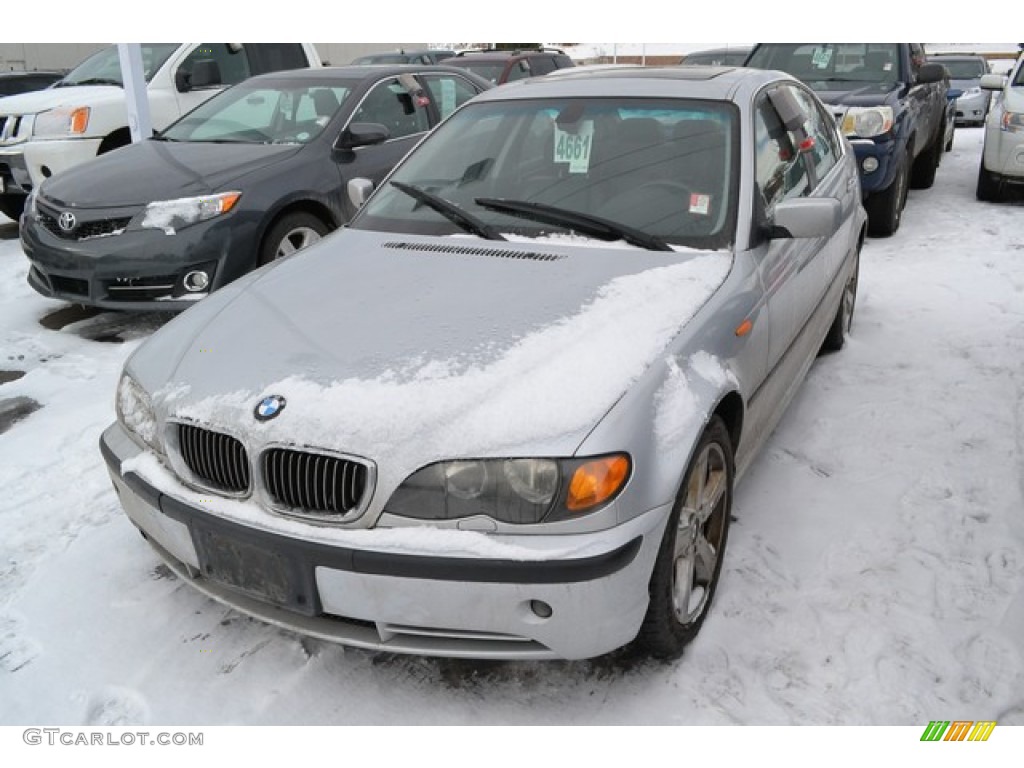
(931, 73)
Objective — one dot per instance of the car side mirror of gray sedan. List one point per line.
(359, 191)
(806, 217)
(362, 135)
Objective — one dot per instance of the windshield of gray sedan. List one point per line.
(263, 113)
(666, 168)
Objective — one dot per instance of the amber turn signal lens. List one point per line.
(79, 120)
(596, 482)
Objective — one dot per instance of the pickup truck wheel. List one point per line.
(988, 185)
(689, 560)
(292, 232)
(12, 206)
(927, 163)
(885, 208)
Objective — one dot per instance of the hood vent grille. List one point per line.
(462, 250)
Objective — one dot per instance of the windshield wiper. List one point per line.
(595, 226)
(450, 211)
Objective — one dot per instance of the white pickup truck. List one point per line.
(85, 114)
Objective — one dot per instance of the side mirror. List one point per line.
(931, 73)
(992, 82)
(182, 81)
(359, 191)
(806, 217)
(362, 135)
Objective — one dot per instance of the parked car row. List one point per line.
(502, 412)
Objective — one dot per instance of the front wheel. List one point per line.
(12, 206)
(292, 232)
(885, 208)
(988, 185)
(689, 561)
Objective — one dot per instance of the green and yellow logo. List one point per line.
(958, 730)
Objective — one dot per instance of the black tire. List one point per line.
(885, 208)
(949, 144)
(927, 163)
(988, 190)
(685, 548)
(12, 206)
(291, 233)
(835, 339)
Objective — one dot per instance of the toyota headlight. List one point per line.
(135, 412)
(518, 491)
(171, 215)
(62, 121)
(867, 122)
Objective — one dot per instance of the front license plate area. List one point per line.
(265, 574)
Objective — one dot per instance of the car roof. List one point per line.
(316, 74)
(702, 82)
(964, 56)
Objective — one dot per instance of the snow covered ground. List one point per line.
(874, 575)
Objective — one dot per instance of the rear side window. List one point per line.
(448, 92)
(543, 64)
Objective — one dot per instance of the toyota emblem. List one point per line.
(66, 221)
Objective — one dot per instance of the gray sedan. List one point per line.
(502, 414)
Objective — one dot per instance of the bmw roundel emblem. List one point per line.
(269, 407)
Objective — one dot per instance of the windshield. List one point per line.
(644, 171)
(264, 112)
(963, 69)
(819, 64)
(104, 67)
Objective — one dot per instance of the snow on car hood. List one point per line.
(385, 350)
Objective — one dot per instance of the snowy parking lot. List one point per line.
(874, 572)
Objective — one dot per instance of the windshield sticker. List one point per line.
(574, 148)
(821, 58)
(700, 204)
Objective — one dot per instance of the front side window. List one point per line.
(269, 113)
(667, 168)
(821, 128)
(228, 60)
(779, 170)
(393, 106)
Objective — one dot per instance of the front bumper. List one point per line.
(137, 269)
(26, 164)
(972, 109)
(1003, 153)
(432, 604)
(887, 158)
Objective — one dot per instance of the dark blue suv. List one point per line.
(889, 102)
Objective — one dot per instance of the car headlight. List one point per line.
(135, 412)
(972, 92)
(62, 121)
(1012, 122)
(171, 215)
(519, 491)
(867, 122)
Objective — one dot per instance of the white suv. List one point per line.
(85, 114)
(1002, 159)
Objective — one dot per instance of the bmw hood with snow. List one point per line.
(501, 414)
